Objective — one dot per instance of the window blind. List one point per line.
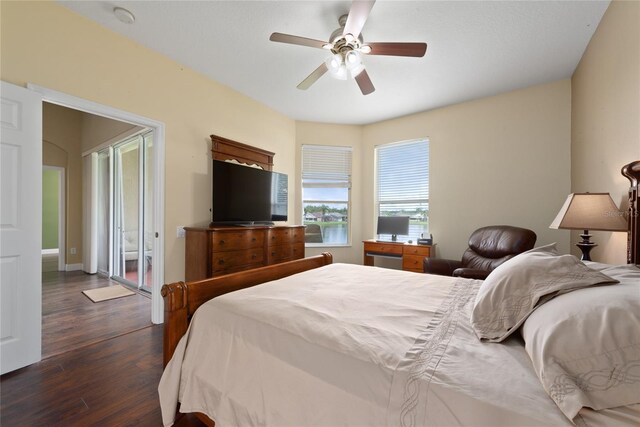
(326, 166)
(402, 176)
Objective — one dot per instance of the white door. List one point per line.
(20, 227)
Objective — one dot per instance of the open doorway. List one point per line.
(157, 202)
(75, 131)
(71, 139)
(53, 224)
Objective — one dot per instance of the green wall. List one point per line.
(50, 192)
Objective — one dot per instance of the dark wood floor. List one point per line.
(109, 379)
(71, 320)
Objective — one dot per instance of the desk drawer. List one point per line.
(412, 263)
(423, 251)
(382, 248)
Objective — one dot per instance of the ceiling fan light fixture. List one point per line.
(336, 66)
(353, 62)
(334, 62)
(352, 59)
(365, 48)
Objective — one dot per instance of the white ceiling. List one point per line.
(475, 49)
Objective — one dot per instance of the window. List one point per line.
(402, 184)
(326, 194)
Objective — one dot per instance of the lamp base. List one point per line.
(586, 245)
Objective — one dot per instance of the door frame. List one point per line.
(62, 219)
(59, 98)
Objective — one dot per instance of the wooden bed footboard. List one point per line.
(182, 299)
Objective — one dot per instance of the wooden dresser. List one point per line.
(411, 254)
(215, 251)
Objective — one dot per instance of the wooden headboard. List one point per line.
(226, 149)
(632, 172)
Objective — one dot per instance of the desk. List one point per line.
(411, 254)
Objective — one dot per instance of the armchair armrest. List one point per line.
(443, 267)
(471, 273)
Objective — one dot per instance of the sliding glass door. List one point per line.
(130, 189)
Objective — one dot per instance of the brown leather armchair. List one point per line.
(488, 248)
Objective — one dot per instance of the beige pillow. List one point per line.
(514, 289)
(585, 345)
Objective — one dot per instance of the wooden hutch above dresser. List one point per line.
(218, 250)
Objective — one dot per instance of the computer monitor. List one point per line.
(393, 225)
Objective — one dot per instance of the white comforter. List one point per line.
(352, 345)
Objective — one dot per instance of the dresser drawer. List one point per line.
(279, 253)
(424, 251)
(229, 260)
(412, 263)
(383, 248)
(296, 235)
(232, 241)
(297, 250)
(278, 236)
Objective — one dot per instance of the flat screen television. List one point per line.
(244, 195)
(393, 225)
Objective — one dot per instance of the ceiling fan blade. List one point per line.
(302, 41)
(364, 82)
(311, 78)
(358, 15)
(398, 49)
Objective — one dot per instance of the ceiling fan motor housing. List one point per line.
(344, 43)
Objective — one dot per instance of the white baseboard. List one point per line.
(73, 267)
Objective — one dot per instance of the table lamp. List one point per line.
(589, 211)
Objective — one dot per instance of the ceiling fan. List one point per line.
(347, 46)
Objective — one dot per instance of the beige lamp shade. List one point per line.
(590, 211)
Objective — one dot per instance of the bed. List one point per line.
(323, 343)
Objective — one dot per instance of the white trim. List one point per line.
(124, 135)
(59, 98)
(73, 267)
(54, 251)
(142, 154)
(111, 210)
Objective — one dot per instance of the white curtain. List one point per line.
(90, 213)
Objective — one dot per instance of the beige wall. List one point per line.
(62, 141)
(502, 159)
(605, 120)
(497, 160)
(342, 135)
(35, 49)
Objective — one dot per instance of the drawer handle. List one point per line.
(253, 256)
(222, 242)
(253, 239)
(220, 262)
(273, 254)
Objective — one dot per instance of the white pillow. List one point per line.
(514, 289)
(585, 345)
